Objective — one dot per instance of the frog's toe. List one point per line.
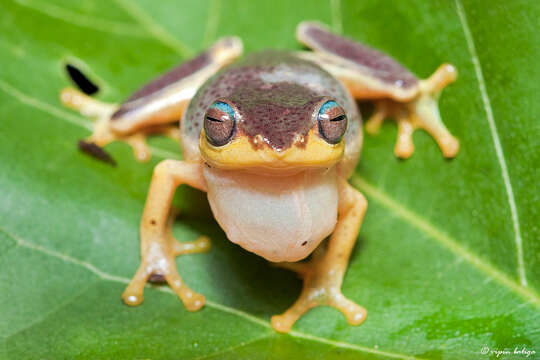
(192, 301)
(354, 313)
(133, 295)
(202, 244)
(285, 321)
(404, 146)
(373, 124)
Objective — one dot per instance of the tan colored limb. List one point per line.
(426, 116)
(157, 248)
(404, 146)
(323, 275)
(420, 113)
(101, 112)
(441, 78)
(373, 125)
(202, 244)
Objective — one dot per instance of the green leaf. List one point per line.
(448, 257)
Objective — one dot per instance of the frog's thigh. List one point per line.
(370, 74)
(159, 102)
(158, 248)
(323, 275)
(367, 73)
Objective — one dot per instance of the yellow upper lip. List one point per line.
(241, 154)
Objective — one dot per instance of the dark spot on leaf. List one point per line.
(95, 151)
(81, 80)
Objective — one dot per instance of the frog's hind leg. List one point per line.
(372, 75)
(155, 106)
(323, 274)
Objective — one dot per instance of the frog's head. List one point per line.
(273, 126)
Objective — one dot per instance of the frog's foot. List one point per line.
(102, 132)
(157, 265)
(321, 286)
(421, 112)
(156, 271)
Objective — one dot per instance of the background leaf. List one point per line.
(448, 258)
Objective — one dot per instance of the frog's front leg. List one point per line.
(370, 74)
(323, 274)
(154, 106)
(158, 247)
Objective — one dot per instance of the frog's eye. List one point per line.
(219, 123)
(332, 122)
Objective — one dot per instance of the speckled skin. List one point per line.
(380, 66)
(275, 94)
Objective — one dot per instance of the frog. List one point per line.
(272, 139)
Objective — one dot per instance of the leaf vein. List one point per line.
(496, 142)
(446, 240)
(232, 348)
(114, 278)
(335, 8)
(74, 18)
(212, 22)
(154, 28)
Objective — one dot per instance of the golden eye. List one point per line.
(219, 123)
(332, 122)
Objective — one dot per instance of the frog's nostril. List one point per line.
(81, 80)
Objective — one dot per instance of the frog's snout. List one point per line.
(243, 152)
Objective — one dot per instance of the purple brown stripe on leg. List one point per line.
(381, 66)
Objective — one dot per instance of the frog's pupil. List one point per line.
(338, 118)
(213, 119)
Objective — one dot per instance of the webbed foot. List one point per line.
(321, 286)
(421, 112)
(102, 131)
(158, 266)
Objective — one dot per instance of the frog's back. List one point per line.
(272, 89)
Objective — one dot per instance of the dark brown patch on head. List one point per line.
(95, 151)
(304, 243)
(382, 66)
(276, 113)
(176, 74)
